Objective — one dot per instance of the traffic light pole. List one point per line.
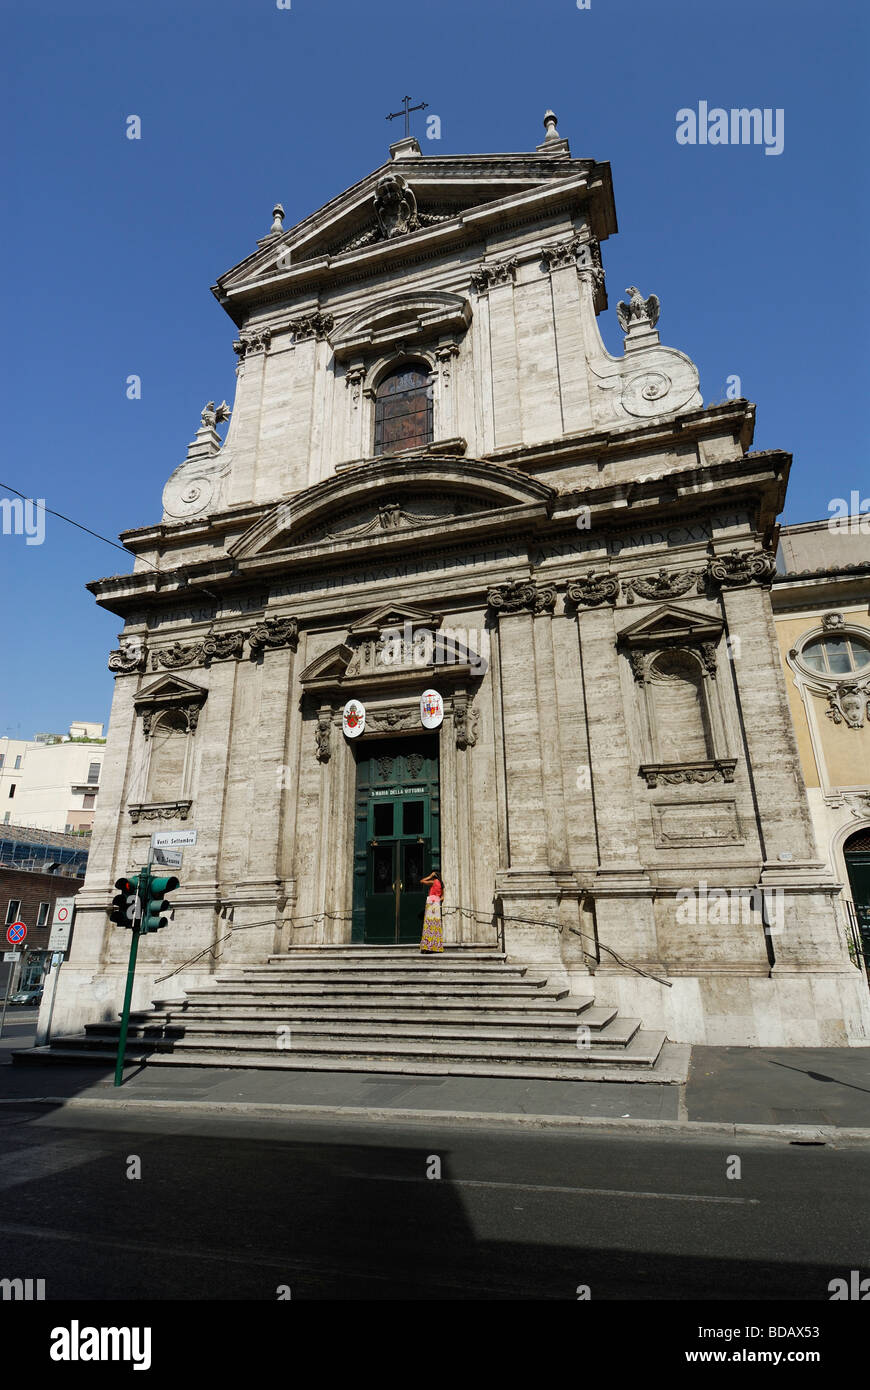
(142, 898)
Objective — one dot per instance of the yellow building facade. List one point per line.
(821, 603)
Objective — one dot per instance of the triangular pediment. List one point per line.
(414, 197)
(390, 616)
(169, 689)
(395, 647)
(671, 622)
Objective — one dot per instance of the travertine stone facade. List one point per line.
(581, 540)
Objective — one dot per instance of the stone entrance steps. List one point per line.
(382, 1009)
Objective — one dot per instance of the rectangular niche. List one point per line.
(691, 825)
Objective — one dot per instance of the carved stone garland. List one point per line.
(132, 656)
(664, 585)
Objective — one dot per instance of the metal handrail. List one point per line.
(856, 941)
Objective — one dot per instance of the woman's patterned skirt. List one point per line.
(432, 939)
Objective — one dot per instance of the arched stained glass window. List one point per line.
(403, 409)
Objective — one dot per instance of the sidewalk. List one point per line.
(727, 1085)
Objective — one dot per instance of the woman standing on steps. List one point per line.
(432, 939)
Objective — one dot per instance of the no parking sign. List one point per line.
(16, 933)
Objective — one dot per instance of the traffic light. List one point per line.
(156, 905)
(125, 907)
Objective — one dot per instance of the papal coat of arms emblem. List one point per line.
(353, 720)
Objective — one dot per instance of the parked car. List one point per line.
(30, 997)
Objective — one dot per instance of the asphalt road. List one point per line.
(236, 1208)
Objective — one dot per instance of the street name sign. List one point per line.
(171, 839)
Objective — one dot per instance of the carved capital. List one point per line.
(131, 656)
(522, 596)
(252, 341)
(494, 273)
(737, 569)
(593, 590)
(584, 255)
(223, 646)
(274, 632)
(313, 325)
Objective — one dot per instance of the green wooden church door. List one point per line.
(397, 837)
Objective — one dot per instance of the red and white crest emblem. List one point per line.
(353, 720)
(431, 709)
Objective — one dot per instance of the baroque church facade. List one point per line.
(436, 478)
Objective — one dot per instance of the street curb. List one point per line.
(795, 1134)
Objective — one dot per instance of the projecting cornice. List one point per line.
(592, 446)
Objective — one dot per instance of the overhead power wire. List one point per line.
(35, 502)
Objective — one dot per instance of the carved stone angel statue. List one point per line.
(637, 308)
(212, 415)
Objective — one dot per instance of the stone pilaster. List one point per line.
(531, 889)
(503, 353)
(621, 887)
(803, 925)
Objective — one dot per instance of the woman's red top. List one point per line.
(435, 889)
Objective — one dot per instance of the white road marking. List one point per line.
(44, 1161)
(567, 1191)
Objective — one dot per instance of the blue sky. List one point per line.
(111, 245)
